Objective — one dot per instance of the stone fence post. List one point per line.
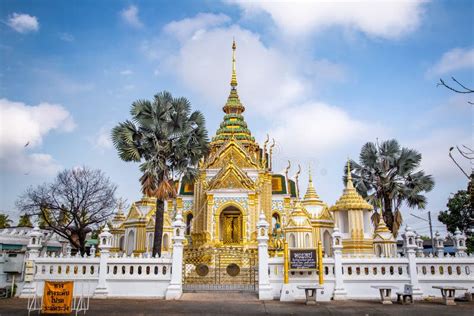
(410, 246)
(459, 243)
(264, 288)
(105, 243)
(439, 245)
(339, 290)
(175, 288)
(33, 250)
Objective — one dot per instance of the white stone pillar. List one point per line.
(409, 238)
(439, 245)
(419, 246)
(264, 287)
(33, 250)
(175, 288)
(3, 275)
(340, 292)
(459, 243)
(105, 243)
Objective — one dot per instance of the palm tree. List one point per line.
(168, 140)
(387, 177)
(5, 221)
(24, 221)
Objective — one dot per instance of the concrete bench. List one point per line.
(385, 292)
(407, 293)
(310, 291)
(449, 293)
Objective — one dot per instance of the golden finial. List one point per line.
(297, 175)
(233, 81)
(349, 183)
(311, 197)
(271, 152)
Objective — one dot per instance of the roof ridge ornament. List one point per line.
(233, 81)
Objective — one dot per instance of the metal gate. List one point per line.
(228, 268)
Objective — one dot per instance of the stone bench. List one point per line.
(310, 292)
(407, 293)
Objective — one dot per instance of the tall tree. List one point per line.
(75, 203)
(24, 221)
(5, 221)
(389, 174)
(168, 141)
(458, 214)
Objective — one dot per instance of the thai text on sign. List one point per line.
(57, 297)
(303, 259)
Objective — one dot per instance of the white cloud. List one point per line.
(23, 23)
(130, 16)
(66, 37)
(268, 79)
(385, 19)
(126, 72)
(103, 139)
(455, 59)
(23, 128)
(318, 127)
(435, 148)
(183, 29)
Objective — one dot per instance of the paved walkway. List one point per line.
(248, 304)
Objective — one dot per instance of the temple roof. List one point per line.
(299, 217)
(311, 197)
(350, 199)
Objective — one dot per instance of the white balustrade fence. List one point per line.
(360, 274)
(148, 277)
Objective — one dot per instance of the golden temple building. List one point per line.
(235, 184)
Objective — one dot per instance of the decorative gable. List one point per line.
(231, 177)
(232, 150)
(134, 213)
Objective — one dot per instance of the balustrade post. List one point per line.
(439, 245)
(33, 250)
(105, 244)
(340, 292)
(264, 287)
(459, 243)
(410, 248)
(175, 288)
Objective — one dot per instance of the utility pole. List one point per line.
(431, 228)
(431, 232)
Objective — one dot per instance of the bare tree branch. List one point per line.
(77, 202)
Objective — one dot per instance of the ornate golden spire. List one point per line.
(233, 81)
(349, 183)
(350, 199)
(311, 195)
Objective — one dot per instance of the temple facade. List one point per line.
(235, 184)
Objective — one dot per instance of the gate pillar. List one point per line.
(264, 287)
(175, 289)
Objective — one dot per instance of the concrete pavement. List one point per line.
(229, 303)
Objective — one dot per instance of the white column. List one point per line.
(105, 243)
(34, 246)
(459, 243)
(409, 238)
(439, 245)
(175, 288)
(264, 287)
(339, 290)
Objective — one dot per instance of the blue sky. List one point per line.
(322, 78)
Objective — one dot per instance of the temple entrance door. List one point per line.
(231, 226)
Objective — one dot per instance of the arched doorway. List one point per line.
(189, 222)
(327, 243)
(230, 222)
(130, 242)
